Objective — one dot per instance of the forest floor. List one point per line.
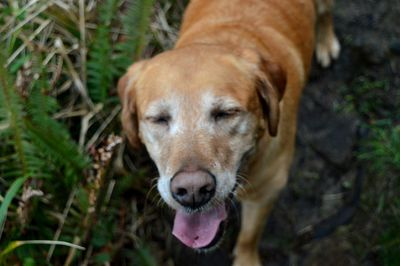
(321, 218)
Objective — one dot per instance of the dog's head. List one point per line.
(199, 111)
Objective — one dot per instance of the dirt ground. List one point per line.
(309, 224)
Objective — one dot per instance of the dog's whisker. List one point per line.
(154, 179)
(154, 186)
(156, 198)
(242, 173)
(149, 192)
(235, 208)
(241, 187)
(242, 177)
(218, 202)
(243, 182)
(160, 202)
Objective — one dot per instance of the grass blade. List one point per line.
(15, 244)
(11, 192)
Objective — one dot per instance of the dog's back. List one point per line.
(272, 26)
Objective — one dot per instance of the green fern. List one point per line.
(107, 62)
(136, 24)
(50, 136)
(24, 160)
(37, 151)
(33, 144)
(100, 67)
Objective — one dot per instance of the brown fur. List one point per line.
(257, 52)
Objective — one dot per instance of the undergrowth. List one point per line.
(59, 64)
(382, 152)
(378, 104)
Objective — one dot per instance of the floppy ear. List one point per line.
(127, 94)
(270, 84)
(270, 81)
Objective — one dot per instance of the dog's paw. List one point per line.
(327, 50)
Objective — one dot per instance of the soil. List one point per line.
(322, 195)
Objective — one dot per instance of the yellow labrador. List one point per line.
(225, 101)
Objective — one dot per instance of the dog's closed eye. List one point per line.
(224, 114)
(161, 119)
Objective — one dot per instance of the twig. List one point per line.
(27, 20)
(56, 73)
(78, 82)
(87, 256)
(14, 5)
(70, 113)
(103, 126)
(72, 251)
(82, 30)
(23, 46)
(85, 123)
(61, 224)
(64, 87)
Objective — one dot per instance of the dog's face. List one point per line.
(199, 112)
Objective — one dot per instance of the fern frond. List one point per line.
(36, 143)
(13, 110)
(136, 23)
(103, 67)
(24, 160)
(48, 135)
(57, 147)
(99, 66)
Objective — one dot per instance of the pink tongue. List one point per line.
(198, 229)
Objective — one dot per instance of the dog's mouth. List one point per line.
(200, 230)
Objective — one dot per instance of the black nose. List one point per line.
(193, 189)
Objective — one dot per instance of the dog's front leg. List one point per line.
(253, 220)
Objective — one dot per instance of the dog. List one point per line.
(217, 113)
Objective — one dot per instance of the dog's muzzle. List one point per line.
(193, 226)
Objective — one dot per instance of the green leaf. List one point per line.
(18, 63)
(15, 244)
(29, 262)
(144, 257)
(11, 192)
(83, 199)
(102, 258)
